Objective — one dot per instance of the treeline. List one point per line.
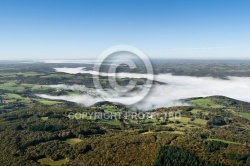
(171, 155)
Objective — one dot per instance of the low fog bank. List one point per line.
(69, 87)
(177, 87)
(86, 100)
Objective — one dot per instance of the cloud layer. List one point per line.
(176, 88)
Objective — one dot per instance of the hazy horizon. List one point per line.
(81, 60)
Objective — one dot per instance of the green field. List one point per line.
(48, 161)
(200, 121)
(111, 122)
(184, 120)
(221, 140)
(195, 111)
(153, 120)
(73, 141)
(176, 132)
(170, 125)
(48, 102)
(109, 110)
(206, 103)
(172, 132)
(11, 86)
(245, 115)
(44, 118)
(14, 96)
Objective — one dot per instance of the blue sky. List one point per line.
(82, 29)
